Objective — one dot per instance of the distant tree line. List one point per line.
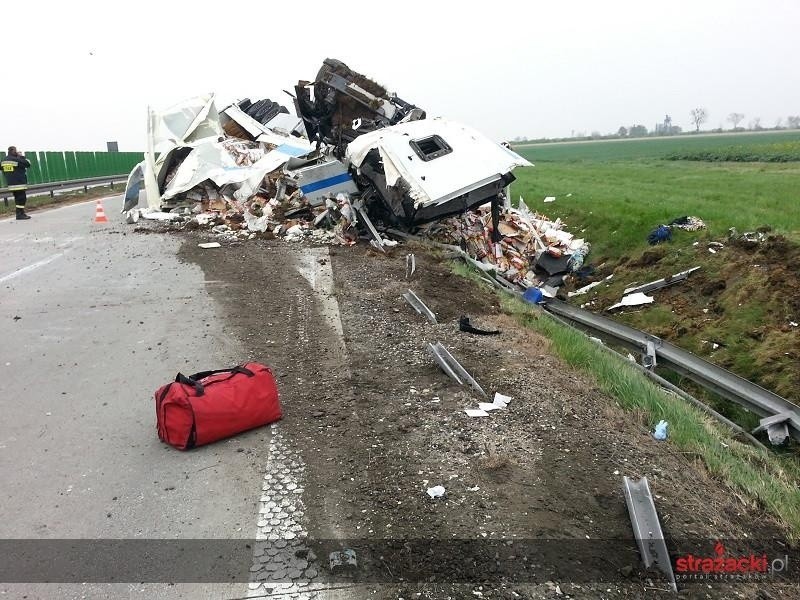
(698, 116)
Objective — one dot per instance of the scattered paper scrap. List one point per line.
(550, 199)
(210, 245)
(476, 412)
(584, 289)
(636, 299)
(487, 406)
(501, 400)
(436, 491)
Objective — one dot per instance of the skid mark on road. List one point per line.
(31, 267)
(315, 266)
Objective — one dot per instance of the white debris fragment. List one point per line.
(476, 412)
(548, 291)
(294, 230)
(132, 216)
(636, 299)
(584, 289)
(793, 323)
(255, 223)
(550, 199)
(204, 219)
(436, 491)
(209, 245)
(501, 400)
(487, 406)
(155, 215)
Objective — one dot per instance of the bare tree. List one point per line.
(622, 131)
(778, 123)
(755, 124)
(793, 122)
(699, 116)
(735, 119)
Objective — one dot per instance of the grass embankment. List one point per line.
(69, 197)
(766, 480)
(738, 310)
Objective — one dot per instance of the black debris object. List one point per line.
(585, 272)
(465, 326)
(552, 265)
(680, 221)
(555, 281)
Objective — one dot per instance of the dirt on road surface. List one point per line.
(534, 505)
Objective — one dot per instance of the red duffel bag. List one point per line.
(212, 405)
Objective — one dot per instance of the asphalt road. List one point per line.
(94, 320)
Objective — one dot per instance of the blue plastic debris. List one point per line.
(532, 295)
(660, 432)
(662, 233)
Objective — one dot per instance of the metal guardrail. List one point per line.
(53, 186)
(737, 389)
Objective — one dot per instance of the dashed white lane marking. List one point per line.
(31, 267)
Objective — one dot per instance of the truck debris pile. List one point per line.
(531, 251)
(355, 153)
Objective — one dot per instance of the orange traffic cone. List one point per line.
(99, 213)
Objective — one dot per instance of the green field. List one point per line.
(739, 309)
(620, 190)
(656, 147)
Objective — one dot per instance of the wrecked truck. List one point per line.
(352, 142)
(421, 171)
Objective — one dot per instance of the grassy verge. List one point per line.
(35, 202)
(765, 480)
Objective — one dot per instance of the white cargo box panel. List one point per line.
(324, 180)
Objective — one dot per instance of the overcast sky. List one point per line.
(78, 73)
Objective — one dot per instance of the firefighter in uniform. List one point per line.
(13, 166)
